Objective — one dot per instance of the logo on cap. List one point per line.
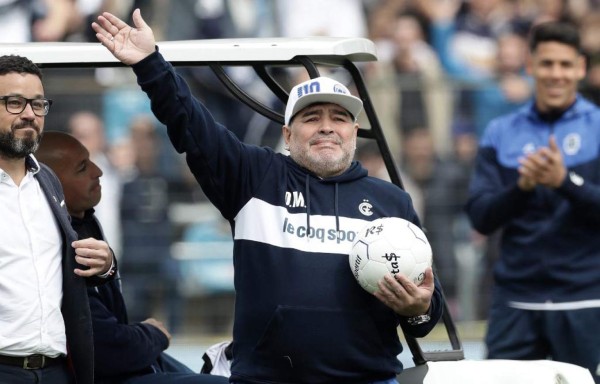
(314, 87)
(338, 89)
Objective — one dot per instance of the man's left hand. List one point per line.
(95, 254)
(404, 296)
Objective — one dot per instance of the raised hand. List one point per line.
(128, 44)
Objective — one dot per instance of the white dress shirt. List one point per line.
(30, 271)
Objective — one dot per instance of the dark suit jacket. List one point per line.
(75, 304)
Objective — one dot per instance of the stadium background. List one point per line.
(445, 69)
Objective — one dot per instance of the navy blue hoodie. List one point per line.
(300, 316)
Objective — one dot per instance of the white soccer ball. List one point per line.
(389, 245)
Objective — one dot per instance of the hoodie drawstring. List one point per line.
(335, 203)
(307, 205)
(337, 215)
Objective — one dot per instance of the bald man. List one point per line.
(88, 128)
(124, 353)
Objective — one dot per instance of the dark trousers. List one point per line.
(56, 374)
(569, 336)
(174, 372)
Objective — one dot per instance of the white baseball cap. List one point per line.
(321, 90)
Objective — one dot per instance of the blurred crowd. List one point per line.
(445, 69)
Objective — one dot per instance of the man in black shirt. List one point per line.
(124, 353)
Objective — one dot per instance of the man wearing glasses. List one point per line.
(44, 270)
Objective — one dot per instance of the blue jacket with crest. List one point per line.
(550, 248)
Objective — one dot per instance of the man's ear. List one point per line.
(286, 132)
(582, 67)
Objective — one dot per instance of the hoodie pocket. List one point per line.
(317, 344)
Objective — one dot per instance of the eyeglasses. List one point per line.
(17, 104)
